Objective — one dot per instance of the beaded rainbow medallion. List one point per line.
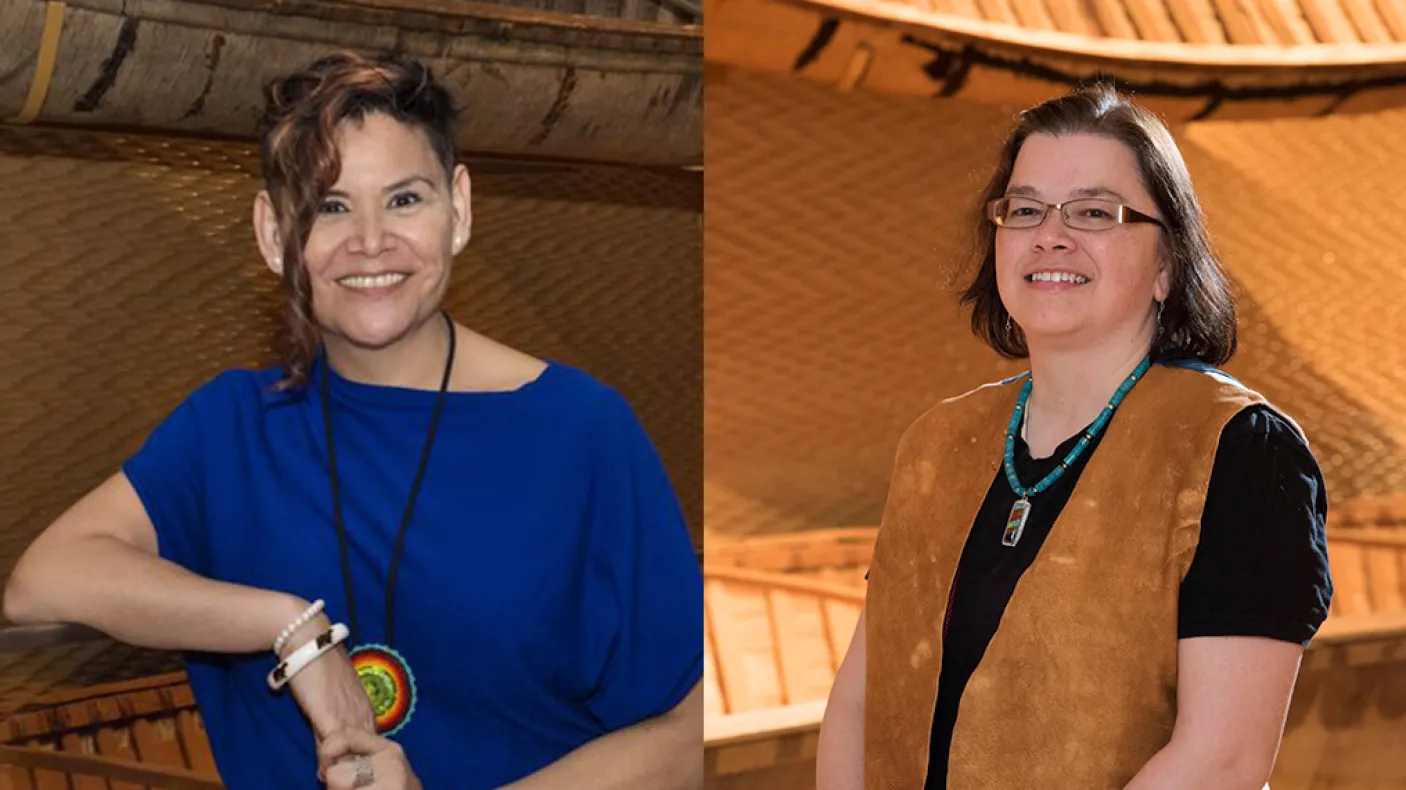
(389, 683)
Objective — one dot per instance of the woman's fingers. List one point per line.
(347, 752)
(342, 776)
(349, 741)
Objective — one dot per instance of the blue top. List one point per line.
(548, 594)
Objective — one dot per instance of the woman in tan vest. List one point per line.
(1100, 573)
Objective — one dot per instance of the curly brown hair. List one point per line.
(298, 154)
(1198, 317)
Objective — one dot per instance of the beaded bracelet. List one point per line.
(302, 620)
(308, 653)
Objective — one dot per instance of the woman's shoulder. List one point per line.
(577, 391)
(495, 367)
(1263, 426)
(976, 405)
(239, 383)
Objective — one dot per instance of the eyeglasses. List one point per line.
(1081, 214)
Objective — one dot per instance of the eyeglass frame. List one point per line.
(1126, 214)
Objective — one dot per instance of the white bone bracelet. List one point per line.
(303, 619)
(308, 653)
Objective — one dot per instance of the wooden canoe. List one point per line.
(781, 610)
(1189, 59)
(622, 84)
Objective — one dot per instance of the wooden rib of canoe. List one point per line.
(622, 84)
(125, 736)
(781, 610)
(1188, 59)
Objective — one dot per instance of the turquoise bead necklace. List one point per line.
(1020, 511)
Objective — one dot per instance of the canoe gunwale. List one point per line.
(73, 764)
(1308, 60)
(448, 19)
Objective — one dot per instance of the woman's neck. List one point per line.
(415, 361)
(1071, 387)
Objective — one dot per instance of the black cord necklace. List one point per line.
(384, 672)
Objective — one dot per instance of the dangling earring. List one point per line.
(1160, 306)
(1008, 323)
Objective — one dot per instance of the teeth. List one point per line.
(379, 281)
(1057, 277)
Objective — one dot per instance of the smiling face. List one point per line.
(379, 252)
(1070, 287)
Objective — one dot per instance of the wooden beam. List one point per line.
(158, 777)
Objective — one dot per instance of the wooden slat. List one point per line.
(1113, 18)
(115, 742)
(843, 617)
(714, 701)
(191, 730)
(1393, 14)
(746, 656)
(112, 689)
(1286, 19)
(998, 11)
(1071, 16)
(1386, 627)
(1329, 23)
(1378, 511)
(49, 780)
(1152, 21)
(1350, 596)
(803, 642)
(145, 703)
(157, 742)
(1367, 536)
(17, 776)
(133, 774)
(1369, 24)
(1033, 14)
(791, 581)
(84, 744)
(1197, 20)
(1239, 29)
(1384, 577)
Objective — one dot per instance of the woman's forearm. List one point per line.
(1177, 767)
(138, 598)
(663, 753)
(839, 759)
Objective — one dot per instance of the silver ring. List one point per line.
(365, 771)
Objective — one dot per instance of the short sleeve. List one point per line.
(1261, 565)
(168, 473)
(647, 586)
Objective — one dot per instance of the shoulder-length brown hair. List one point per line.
(298, 153)
(1198, 317)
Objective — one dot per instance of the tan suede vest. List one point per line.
(1078, 687)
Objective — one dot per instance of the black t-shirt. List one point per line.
(1260, 567)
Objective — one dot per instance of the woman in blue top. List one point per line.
(508, 592)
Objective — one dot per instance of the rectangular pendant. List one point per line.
(1015, 525)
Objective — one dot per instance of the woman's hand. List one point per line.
(328, 690)
(380, 764)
